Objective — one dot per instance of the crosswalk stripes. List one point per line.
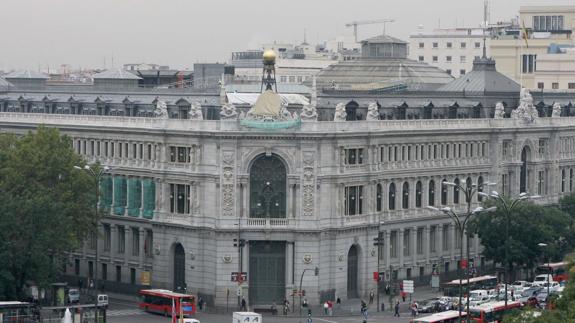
(126, 312)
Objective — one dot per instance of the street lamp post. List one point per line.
(544, 246)
(96, 172)
(470, 191)
(316, 272)
(508, 207)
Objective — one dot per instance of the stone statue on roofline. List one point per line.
(228, 112)
(372, 112)
(340, 114)
(499, 111)
(526, 111)
(556, 113)
(196, 112)
(308, 113)
(161, 110)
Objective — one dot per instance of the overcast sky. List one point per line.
(90, 33)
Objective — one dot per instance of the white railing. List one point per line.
(306, 127)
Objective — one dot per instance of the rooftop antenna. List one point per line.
(485, 25)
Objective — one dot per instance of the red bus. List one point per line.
(556, 269)
(161, 300)
(482, 282)
(492, 312)
(442, 317)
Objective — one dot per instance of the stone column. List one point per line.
(127, 243)
(387, 250)
(114, 242)
(452, 240)
(439, 242)
(400, 244)
(414, 245)
(426, 243)
(142, 255)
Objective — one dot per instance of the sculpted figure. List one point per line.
(228, 112)
(196, 112)
(161, 110)
(308, 113)
(499, 111)
(372, 112)
(556, 110)
(340, 114)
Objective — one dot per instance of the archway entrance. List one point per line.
(351, 111)
(268, 188)
(352, 271)
(524, 174)
(267, 272)
(179, 268)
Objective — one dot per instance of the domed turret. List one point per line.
(269, 57)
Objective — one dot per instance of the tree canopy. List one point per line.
(529, 225)
(46, 208)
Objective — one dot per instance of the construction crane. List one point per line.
(367, 22)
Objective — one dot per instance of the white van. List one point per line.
(103, 300)
(478, 293)
(540, 280)
(73, 295)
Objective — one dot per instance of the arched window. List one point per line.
(479, 188)
(468, 186)
(392, 196)
(431, 193)
(418, 194)
(563, 181)
(379, 198)
(443, 192)
(456, 191)
(268, 188)
(405, 196)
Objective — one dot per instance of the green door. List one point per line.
(267, 272)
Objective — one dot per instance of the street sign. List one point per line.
(239, 277)
(435, 281)
(408, 286)
(239, 291)
(376, 276)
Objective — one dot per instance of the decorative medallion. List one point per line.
(372, 252)
(307, 259)
(227, 259)
(340, 258)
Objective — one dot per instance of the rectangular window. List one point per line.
(449, 45)
(180, 154)
(555, 86)
(119, 274)
(419, 241)
(445, 237)
(406, 242)
(393, 244)
(104, 272)
(463, 45)
(90, 269)
(541, 183)
(135, 241)
(121, 239)
(134, 151)
(180, 198)
(434, 59)
(448, 71)
(106, 149)
(477, 45)
(120, 150)
(448, 59)
(98, 148)
(435, 45)
(92, 148)
(77, 267)
(540, 85)
(133, 276)
(107, 237)
(421, 45)
(462, 59)
(354, 156)
(353, 200)
(542, 147)
(432, 238)
(571, 85)
(528, 63)
(149, 152)
(421, 58)
(462, 72)
(148, 243)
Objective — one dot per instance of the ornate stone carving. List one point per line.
(308, 187)
(556, 110)
(308, 113)
(372, 112)
(228, 199)
(308, 199)
(228, 157)
(340, 114)
(499, 111)
(196, 112)
(228, 112)
(161, 111)
(525, 111)
(228, 182)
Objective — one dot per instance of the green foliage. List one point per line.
(529, 224)
(46, 208)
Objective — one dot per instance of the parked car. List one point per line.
(529, 292)
(73, 295)
(519, 286)
(476, 301)
(432, 305)
(103, 300)
(542, 279)
(553, 286)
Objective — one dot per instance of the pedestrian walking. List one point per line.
(244, 304)
(330, 308)
(325, 308)
(201, 303)
(304, 304)
(371, 296)
(396, 314)
(402, 293)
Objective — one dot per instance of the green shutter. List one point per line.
(120, 187)
(149, 198)
(134, 196)
(106, 193)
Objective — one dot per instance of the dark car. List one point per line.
(432, 305)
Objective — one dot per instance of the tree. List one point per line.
(46, 208)
(529, 224)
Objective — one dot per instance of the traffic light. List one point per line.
(242, 242)
(316, 271)
(377, 241)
